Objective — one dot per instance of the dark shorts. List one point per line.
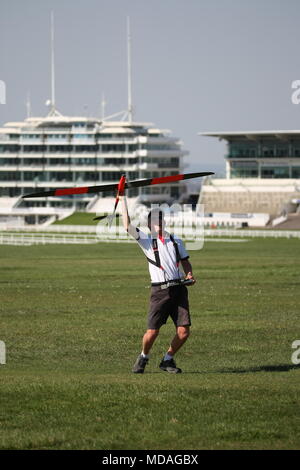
(172, 302)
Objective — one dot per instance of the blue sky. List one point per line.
(197, 65)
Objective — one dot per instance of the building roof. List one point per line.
(102, 126)
(115, 126)
(252, 135)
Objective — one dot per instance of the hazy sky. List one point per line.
(197, 65)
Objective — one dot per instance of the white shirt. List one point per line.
(166, 251)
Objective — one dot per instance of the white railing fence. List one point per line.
(43, 238)
(253, 233)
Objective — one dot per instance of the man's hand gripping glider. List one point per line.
(169, 295)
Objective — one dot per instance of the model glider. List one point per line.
(119, 187)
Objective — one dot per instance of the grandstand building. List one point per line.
(262, 177)
(61, 152)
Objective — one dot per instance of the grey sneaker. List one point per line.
(170, 366)
(140, 365)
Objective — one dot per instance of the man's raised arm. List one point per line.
(125, 215)
(133, 231)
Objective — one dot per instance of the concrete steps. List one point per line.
(292, 223)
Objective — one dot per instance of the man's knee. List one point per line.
(183, 332)
(152, 333)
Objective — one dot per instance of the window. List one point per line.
(174, 191)
(9, 161)
(104, 136)
(10, 176)
(110, 175)
(83, 161)
(113, 148)
(282, 150)
(10, 192)
(85, 148)
(268, 151)
(91, 176)
(9, 148)
(58, 161)
(133, 175)
(60, 176)
(159, 147)
(79, 124)
(33, 148)
(296, 172)
(242, 149)
(275, 172)
(244, 169)
(34, 176)
(296, 149)
(83, 136)
(114, 161)
(34, 161)
(167, 162)
(59, 148)
(132, 147)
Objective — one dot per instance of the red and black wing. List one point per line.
(114, 186)
(166, 179)
(70, 191)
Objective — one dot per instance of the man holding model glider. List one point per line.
(169, 295)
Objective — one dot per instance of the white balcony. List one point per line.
(23, 141)
(166, 153)
(117, 140)
(9, 168)
(148, 166)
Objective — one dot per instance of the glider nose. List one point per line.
(121, 185)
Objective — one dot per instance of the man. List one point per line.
(169, 297)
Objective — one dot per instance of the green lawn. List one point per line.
(72, 318)
(78, 218)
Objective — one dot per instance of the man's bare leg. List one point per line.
(182, 334)
(142, 360)
(167, 363)
(148, 340)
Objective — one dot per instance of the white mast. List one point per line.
(130, 111)
(52, 66)
(28, 105)
(53, 111)
(103, 104)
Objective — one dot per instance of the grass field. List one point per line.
(78, 218)
(72, 318)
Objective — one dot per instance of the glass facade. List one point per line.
(240, 169)
(275, 172)
(263, 156)
(241, 149)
